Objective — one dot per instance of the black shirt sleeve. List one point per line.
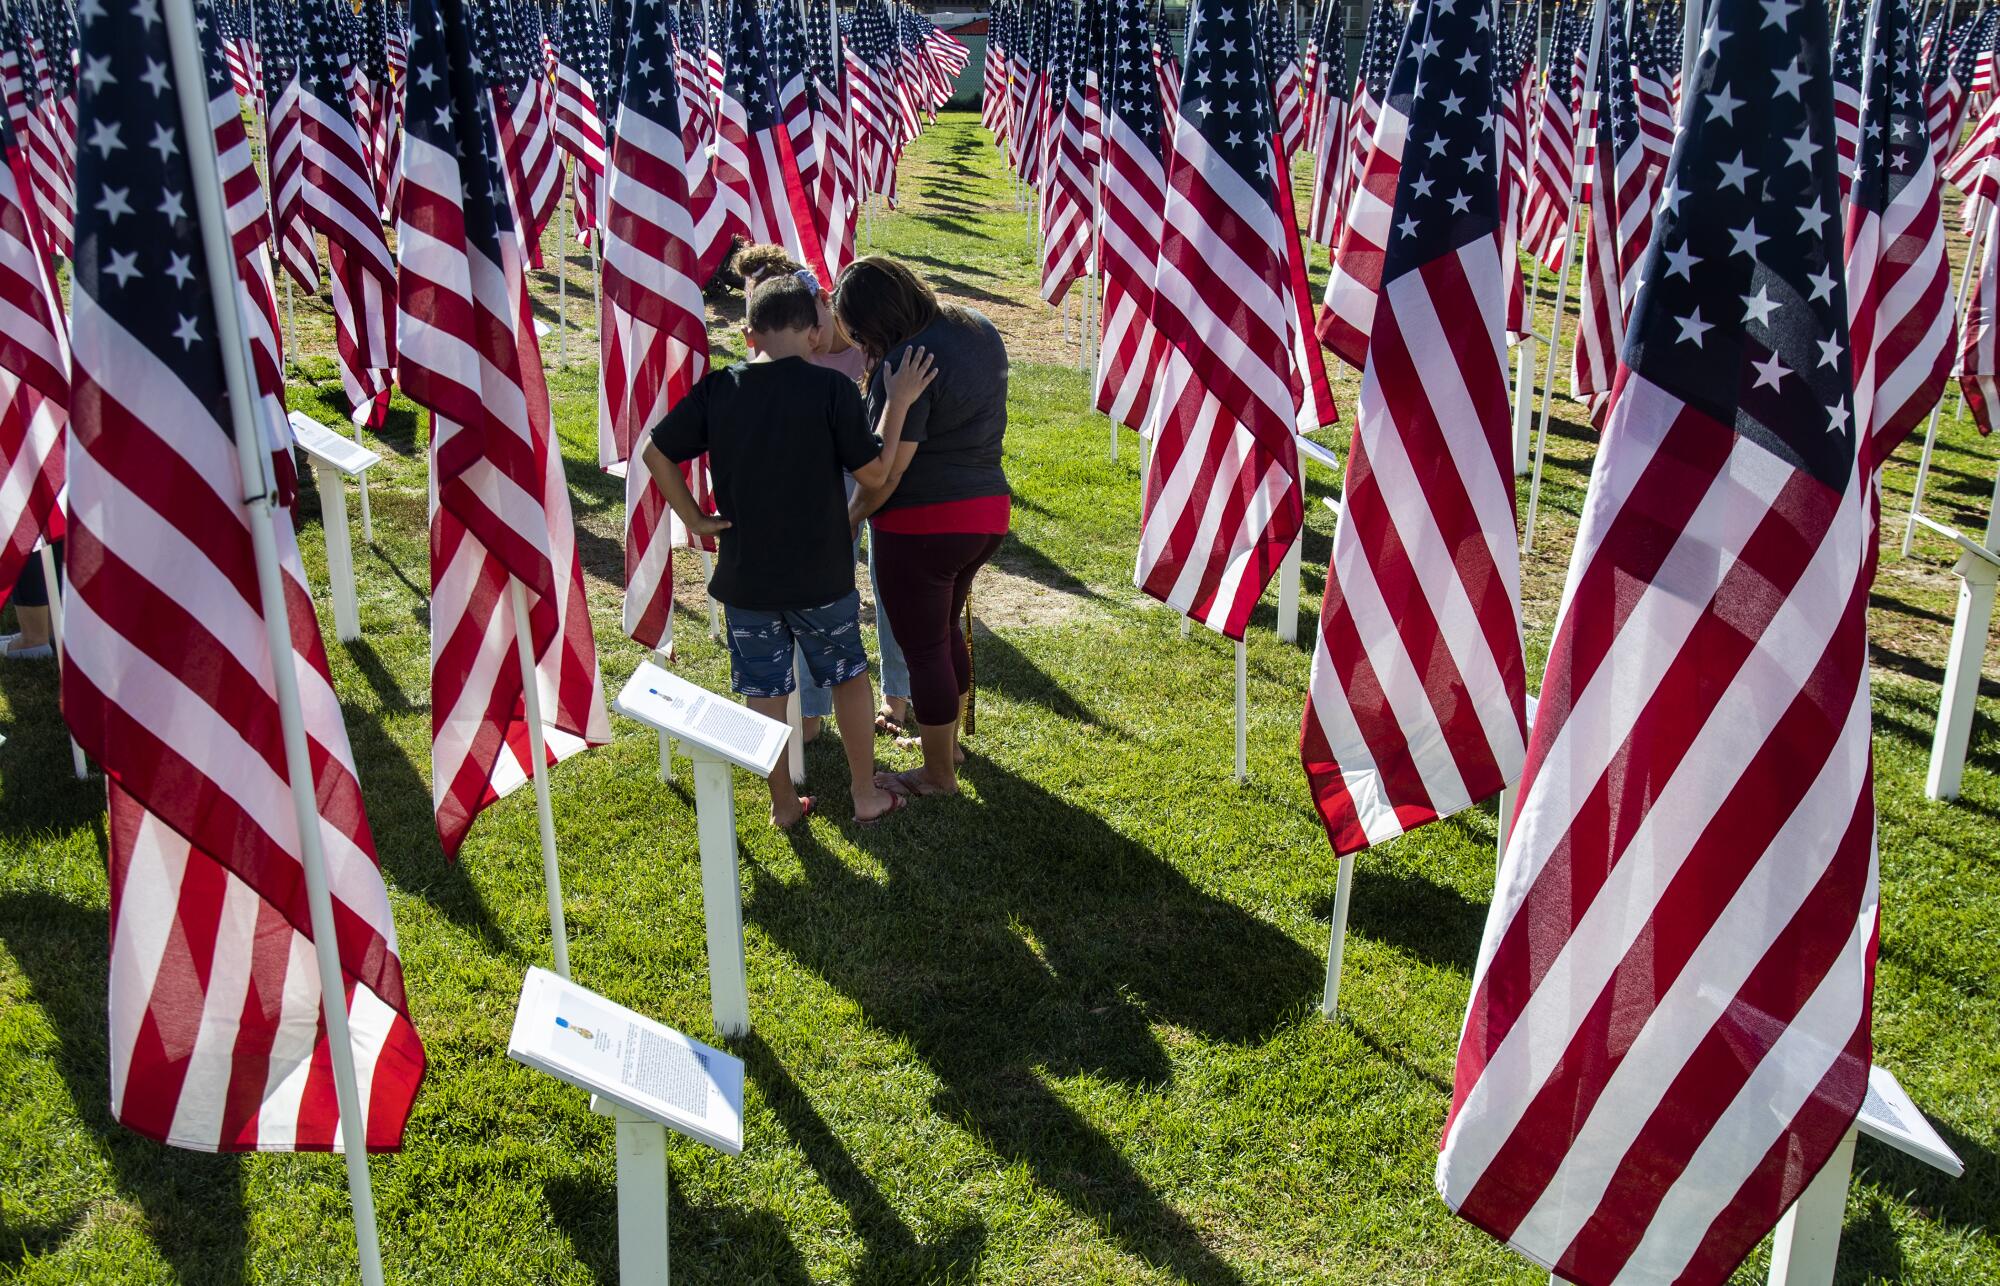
(853, 444)
(682, 433)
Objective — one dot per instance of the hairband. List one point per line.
(809, 281)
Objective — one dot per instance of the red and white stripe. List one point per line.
(499, 506)
(1347, 314)
(34, 382)
(1068, 196)
(532, 161)
(1978, 368)
(338, 198)
(52, 169)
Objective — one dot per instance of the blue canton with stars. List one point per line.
(649, 65)
(447, 110)
(748, 70)
(1742, 313)
(138, 244)
(1894, 121)
(1225, 95)
(1135, 88)
(1449, 192)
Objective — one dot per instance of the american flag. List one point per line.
(1280, 40)
(1223, 500)
(14, 75)
(1329, 139)
(34, 372)
(1975, 171)
(1418, 682)
(337, 193)
(1849, 38)
(518, 85)
(1553, 156)
(756, 172)
(1668, 1032)
(582, 74)
(785, 49)
(52, 126)
(993, 75)
(384, 100)
(654, 340)
(1132, 197)
(868, 101)
(216, 1034)
(1978, 368)
(1899, 282)
(235, 47)
(1513, 88)
(1068, 196)
(283, 140)
(499, 504)
(1167, 66)
(1656, 54)
(1348, 312)
(1625, 180)
(837, 201)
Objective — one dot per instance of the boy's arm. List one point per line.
(667, 477)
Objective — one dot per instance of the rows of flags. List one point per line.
(1669, 1024)
(1669, 1028)
(676, 129)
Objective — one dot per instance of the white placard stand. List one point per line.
(1807, 1241)
(579, 1037)
(334, 459)
(718, 735)
(1978, 572)
(1288, 589)
(714, 611)
(795, 747)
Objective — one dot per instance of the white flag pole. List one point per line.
(531, 698)
(562, 281)
(1242, 713)
(1987, 226)
(254, 460)
(54, 587)
(1584, 128)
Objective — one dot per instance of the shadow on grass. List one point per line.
(20, 1242)
(1965, 1202)
(192, 1202)
(717, 1244)
(1050, 947)
(1020, 558)
(893, 1253)
(39, 792)
(1435, 924)
(1002, 668)
(1917, 668)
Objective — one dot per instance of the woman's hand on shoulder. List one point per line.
(910, 377)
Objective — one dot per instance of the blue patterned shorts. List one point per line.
(760, 646)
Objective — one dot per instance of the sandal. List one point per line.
(887, 727)
(897, 803)
(909, 783)
(806, 803)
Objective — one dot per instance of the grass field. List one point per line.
(1060, 1029)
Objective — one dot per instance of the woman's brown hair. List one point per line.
(880, 303)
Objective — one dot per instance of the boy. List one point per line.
(779, 434)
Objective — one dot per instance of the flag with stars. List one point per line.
(1347, 313)
(1553, 159)
(1068, 195)
(338, 198)
(1624, 184)
(654, 341)
(1668, 1033)
(1898, 280)
(756, 171)
(1131, 200)
(517, 82)
(217, 1040)
(277, 25)
(52, 125)
(500, 514)
(581, 78)
(1222, 496)
(1978, 367)
(1328, 131)
(1849, 37)
(1419, 685)
(837, 198)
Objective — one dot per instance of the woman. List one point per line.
(757, 265)
(945, 507)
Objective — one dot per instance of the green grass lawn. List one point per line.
(1060, 1029)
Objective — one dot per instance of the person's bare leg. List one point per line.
(851, 703)
(35, 629)
(939, 775)
(786, 806)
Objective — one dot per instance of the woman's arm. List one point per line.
(667, 477)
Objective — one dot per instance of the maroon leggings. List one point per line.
(923, 581)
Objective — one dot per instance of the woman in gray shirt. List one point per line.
(945, 507)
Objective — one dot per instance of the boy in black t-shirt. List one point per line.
(779, 434)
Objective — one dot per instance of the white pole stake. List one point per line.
(642, 1201)
(1288, 589)
(714, 612)
(1336, 945)
(795, 745)
(291, 327)
(1187, 625)
(54, 588)
(1526, 365)
(1807, 1242)
(1583, 135)
(253, 460)
(562, 284)
(1977, 578)
(1242, 713)
(367, 518)
(1986, 226)
(531, 695)
(721, 893)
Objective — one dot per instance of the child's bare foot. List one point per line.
(872, 803)
(789, 815)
